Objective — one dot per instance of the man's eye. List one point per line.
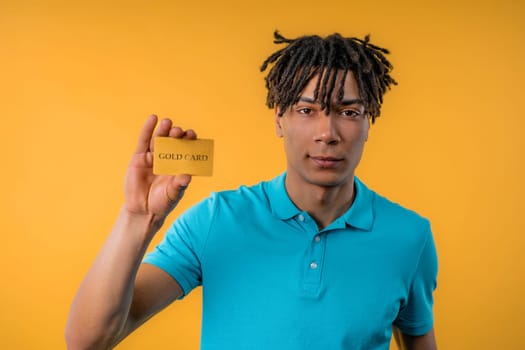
(304, 110)
(351, 113)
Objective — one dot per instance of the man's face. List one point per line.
(324, 149)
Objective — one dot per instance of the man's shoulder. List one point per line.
(246, 196)
(228, 205)
(242, 191)
(389, 209)
(398, 209)
(407, 228)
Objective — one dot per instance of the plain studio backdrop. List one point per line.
(78, 80)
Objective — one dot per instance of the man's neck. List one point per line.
(324, 204)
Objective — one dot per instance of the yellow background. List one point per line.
(77, 80)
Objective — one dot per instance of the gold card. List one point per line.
(179, 156)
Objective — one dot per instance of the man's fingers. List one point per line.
(162, 130)
(145, 134)
(190, 135)
(164, 127)
(178, 133)
(177, 186)
(146, 138)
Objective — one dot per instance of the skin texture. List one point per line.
(119, 293)
(323, 150)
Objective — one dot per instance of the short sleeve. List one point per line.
(180, 252)
(416, 316)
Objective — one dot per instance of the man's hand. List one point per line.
(146, 193)
(113, 299)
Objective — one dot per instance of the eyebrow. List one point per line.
(342, 103)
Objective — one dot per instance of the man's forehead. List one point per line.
(352, 100)
(350, 86)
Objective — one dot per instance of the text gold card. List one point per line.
(178, 156)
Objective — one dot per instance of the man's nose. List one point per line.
(327, 130)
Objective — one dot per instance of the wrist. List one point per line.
(143, 224)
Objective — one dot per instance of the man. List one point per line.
(312, 259)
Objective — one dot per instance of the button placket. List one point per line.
(314, 264)
(314, 256)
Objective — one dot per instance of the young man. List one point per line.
(312, 259)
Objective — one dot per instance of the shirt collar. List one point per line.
(281, 204)
(360, 214)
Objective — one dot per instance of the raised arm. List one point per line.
(118, 293)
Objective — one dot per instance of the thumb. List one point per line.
(176, 187)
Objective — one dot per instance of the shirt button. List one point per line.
(313, 265)
(317, 238)
(301, 217)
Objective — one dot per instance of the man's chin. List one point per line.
(330, 181)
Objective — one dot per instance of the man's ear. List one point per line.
(367, 130)
(278, 123)
(369, 125)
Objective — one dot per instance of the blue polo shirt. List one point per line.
(272, 280)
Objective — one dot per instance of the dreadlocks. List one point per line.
(305, 57)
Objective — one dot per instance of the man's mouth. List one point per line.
(326, 161)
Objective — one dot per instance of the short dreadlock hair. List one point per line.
(305, 57)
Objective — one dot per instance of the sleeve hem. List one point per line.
(416, 330)
(186, 287)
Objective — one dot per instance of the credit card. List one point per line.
(178, 156)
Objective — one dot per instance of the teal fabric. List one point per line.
(272, 280)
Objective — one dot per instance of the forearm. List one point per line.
(409, 342)
(101, 306)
